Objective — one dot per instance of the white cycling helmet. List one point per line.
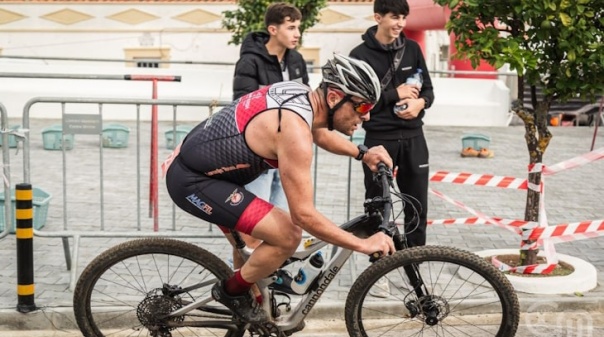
(354, 77)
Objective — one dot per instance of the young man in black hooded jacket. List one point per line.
(400, 133)
(270, 57)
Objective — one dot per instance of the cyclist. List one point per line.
(275, 126)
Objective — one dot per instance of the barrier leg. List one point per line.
(25, 247)
(67, 253)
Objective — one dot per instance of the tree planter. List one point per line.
(583, 279)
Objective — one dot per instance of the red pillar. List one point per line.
(466, 65)
(418, 36)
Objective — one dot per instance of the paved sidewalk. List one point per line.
(571, 196)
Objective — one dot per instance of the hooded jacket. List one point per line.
(381, 58)
(256, 68)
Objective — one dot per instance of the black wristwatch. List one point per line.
(362, 150)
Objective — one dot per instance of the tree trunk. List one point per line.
(537, 138)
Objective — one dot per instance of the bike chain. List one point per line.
(267, 329)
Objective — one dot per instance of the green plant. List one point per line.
(249, 16)
(557, 45)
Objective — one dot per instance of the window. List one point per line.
(311, 56)
(146, 63)
(147, 57)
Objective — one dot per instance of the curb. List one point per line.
(61, 318)
(583, 279)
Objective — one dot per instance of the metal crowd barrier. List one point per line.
(92, 122)
(5, 171)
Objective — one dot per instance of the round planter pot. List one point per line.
(583, 279)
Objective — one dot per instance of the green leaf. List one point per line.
(453, 3)
(566, 20)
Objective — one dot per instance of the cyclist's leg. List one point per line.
(234, 207)
(261, 187)
(238, 261)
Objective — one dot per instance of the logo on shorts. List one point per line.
(235, 198)
(202, 205)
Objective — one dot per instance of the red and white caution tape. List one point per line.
(576, 162)
(479, 221)
(539, 232)
(568, 232)
(478, 180)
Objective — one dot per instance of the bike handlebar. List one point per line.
(385, 174)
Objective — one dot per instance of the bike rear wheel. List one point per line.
(130, 288)
(465, 296)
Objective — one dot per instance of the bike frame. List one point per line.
(362, 226)
(328, 272)
(359, 226)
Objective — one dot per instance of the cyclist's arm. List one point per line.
(335, 143)
(294, 149)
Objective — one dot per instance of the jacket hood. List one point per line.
(255, 43)
(373, 43)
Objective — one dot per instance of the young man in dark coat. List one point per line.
(270, 57)
(399, 132)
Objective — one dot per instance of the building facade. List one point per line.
(174, 30)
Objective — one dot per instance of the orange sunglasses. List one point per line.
(362, 108)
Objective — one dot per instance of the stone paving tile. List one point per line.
(571, 196)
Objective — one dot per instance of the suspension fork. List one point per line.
(412, 271)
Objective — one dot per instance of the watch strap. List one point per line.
(362, 151)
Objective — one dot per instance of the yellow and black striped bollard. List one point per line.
(25, 247)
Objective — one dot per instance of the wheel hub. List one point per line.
(430, 309)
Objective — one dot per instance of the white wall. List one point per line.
(102, 37)
(464, 102)
(469, 102)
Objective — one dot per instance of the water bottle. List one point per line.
(417, 80)
(307, 274)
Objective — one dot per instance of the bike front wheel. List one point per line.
(461, 295)
(131, 289)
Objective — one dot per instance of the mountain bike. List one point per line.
(160, 287)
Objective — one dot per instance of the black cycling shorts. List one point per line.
(216, 201)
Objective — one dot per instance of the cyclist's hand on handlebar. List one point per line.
(379, 243)
(376, 155)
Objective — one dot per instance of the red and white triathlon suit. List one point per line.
(207, 171)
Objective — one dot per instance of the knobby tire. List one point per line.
(120, 291)
(467, 295)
